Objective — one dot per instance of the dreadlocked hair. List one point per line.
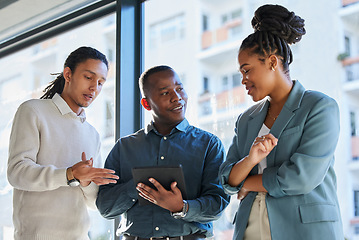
(78, 56)
(274, 29)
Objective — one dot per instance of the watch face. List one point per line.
(73, 183)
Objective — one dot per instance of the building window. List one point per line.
(27, 73)
(205, 84)
(225, 83)
(111, 55)
(231, 16)
(347, 45)
(237, 79)
(353, 123)
(236, 14)
(109, 128)
(224, 19)
(356, 203)
(167, 31)
(204, 23)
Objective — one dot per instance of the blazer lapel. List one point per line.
(288, 112)
(254, 124)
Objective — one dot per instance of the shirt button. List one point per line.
(165, 138)
(157, 228)
(162, 157)
(133, 200)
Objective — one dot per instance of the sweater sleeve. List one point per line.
(90, 194)
(23, 171)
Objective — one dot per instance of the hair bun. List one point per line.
(279, 21)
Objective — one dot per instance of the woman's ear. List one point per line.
(273, 62)
(145, 104)
(67, 74)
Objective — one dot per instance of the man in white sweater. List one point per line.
(53, 180)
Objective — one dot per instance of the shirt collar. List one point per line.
(64, 108)
(182, 126)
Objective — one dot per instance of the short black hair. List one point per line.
(142, 81)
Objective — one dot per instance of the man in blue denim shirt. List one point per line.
(167, 140)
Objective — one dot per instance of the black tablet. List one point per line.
(163, 174)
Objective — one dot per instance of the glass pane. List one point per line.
(32, 14)
(25, 74)
(216, 95)
(356, 203)
(206, 56)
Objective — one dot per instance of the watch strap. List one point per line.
(183, 213)
(71, 180)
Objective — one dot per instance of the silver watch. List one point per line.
(71, 180)
(183, 213)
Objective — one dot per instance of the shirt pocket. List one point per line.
(318, 212)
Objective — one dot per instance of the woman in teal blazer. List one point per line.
(281, 159)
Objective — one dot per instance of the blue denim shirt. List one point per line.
(200, 153)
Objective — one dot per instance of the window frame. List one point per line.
(129, 49)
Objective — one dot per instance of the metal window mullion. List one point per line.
(129, 59)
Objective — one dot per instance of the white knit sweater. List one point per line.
(46, 138)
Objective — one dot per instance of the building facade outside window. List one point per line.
(199, 45)
(207, 53)
(26, 73)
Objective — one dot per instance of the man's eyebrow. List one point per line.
(86, 70)
(162, 88)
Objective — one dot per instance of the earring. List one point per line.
(272, 68)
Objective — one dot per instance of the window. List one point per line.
(26, 73)
(356, 229)
(167, 31)
(353, 123)
(185, 62)
(204, 23)
(231, 16)
(231, 81)
(109, 126)
(225, 83)
(356, 203)
(205, 84)
(224, 19)
(237, 79)
(215, 104)
(236, 14)
(347, 45)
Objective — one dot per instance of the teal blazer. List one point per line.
(302, 202)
